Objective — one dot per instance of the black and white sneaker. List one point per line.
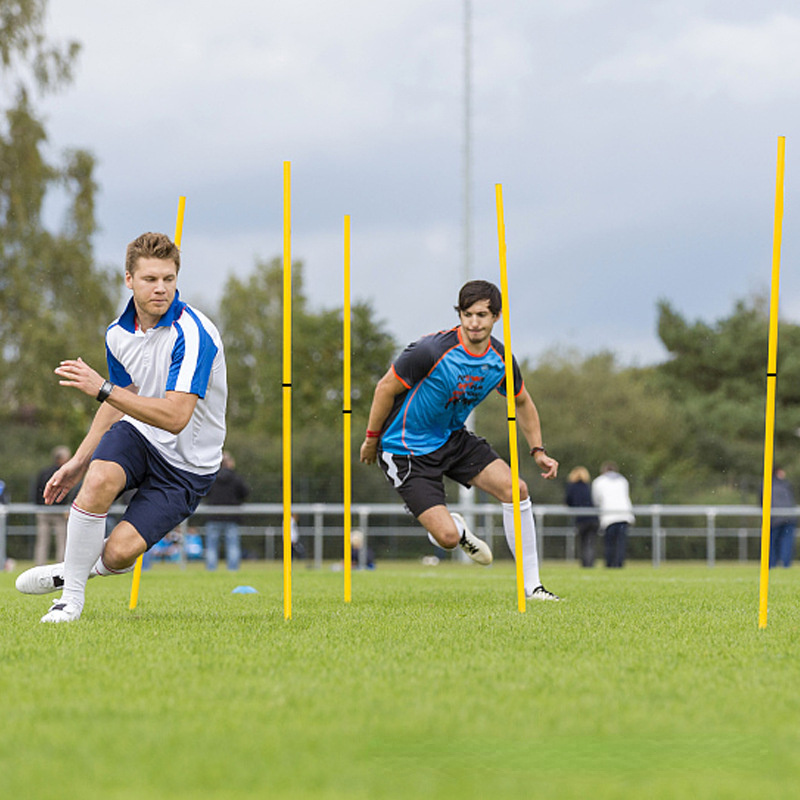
(540, 593)
(62, 611)
(41, 580)
(474, 547)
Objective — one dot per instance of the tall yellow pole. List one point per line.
(347, 418)
(772, 379)
(510, 399)
(287, 391)
(137, 570)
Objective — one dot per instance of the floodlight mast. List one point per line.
(466, 497)
(467, 163)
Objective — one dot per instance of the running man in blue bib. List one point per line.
(159, 430)
(416, 430)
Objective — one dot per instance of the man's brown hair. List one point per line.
(152, 245)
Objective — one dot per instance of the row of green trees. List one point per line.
(687, 430)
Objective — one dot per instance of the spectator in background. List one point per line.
(10, 563)
(611, 495)
(357, 540)
(579, 495)
(782, 527)
(51, 526)
(298, 549)
(227, 490)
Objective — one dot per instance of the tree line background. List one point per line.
(687, 430)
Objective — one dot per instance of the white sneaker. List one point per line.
(62, 611)
(41, 580)
(540, 593)
(474, 547)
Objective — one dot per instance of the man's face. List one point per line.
(477, 322)
(153, 284)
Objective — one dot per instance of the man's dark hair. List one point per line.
(474, 291)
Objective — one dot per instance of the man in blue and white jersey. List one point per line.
(159, 429)
(416, 430)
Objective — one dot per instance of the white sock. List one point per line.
(530, 559)
(85, 535)
(101, 569)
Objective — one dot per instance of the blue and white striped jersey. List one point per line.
(444, 382)
(182, 353)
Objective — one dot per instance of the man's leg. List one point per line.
(591, 544)
(212, 544)
(121, 550)
(496, 480)
(86, 528)
(622, 544)
(233, 549)
(610, 544)
(449, 531)
(60, 529)
(774, 532)
(784, 543)
(42, 546)
(530, 557)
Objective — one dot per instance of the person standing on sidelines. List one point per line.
(782, 527)
(229, 489)
(611, 494)
(579, 495)
(50, 526)
(160, 429)
(416, 430)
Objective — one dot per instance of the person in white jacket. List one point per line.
(611, 494)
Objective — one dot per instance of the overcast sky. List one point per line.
(635, 143)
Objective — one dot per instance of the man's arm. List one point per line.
(70, 474)
(528, 419)
(172, 413)
(387, 389)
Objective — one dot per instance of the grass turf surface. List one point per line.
(643, 682)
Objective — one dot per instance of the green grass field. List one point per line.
(642, 683)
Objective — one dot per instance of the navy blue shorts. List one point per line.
(165, 495)
(419, 479)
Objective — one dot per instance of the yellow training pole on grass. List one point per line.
(137, 570)
(287, 391)
(512, 414)
(347, 415)
(772, 379)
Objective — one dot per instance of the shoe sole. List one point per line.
(544, 598)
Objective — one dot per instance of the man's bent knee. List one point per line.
(506, 495)
(123, 547)
(440, 525)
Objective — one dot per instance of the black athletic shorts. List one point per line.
(419, 479)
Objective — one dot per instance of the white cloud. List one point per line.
(748, 62)
(631, 167)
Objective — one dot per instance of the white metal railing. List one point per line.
(327, 522)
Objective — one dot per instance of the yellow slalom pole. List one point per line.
(347, 415)
(287, 391)
(137, 570)
(772, 379)
(512, 413)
